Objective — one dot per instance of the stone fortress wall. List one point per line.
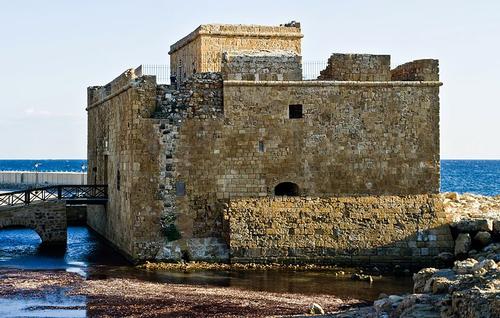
(201, 162)
(124, 152)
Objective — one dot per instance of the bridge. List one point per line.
(44, 209)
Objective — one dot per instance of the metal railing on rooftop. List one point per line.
(310, 71)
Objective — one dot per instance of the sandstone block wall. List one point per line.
(201, 50)
(48, 219)
(409, 230)
(262, 65)
(357, 67)
(124, 152)
(419, 70)
(353, 139)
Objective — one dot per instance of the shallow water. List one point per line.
(53, 305)
(88, 256)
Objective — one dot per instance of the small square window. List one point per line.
(295, 111)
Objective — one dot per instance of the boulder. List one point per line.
(496, 227)
(421, 277)
(419, 305)
(482, 238)
(362, 277)
(473, 225)
(316, 309)
(446, 257)
(452, 196)
(387, 305)
(462, 244)
(476, 303)
(484, 266)
(465, 266)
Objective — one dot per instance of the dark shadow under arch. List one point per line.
(287, 189)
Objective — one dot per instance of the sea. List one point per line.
(471, 176)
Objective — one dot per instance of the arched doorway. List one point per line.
(286, 189)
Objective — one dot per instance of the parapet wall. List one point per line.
(262, 66)
(419, 70)
(357, 67)
(409, 230)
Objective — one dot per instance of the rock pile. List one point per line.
(475, 222)
(470, 289)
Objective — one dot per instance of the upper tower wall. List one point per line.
(201, 50)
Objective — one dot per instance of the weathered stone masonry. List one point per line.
(340, 230)
(48, 219)
(195, 170)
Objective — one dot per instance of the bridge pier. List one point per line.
(47, 218)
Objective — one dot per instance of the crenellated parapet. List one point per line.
(262, 65)
(418, 70)
(357, 67)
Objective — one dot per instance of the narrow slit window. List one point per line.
(180, 188)
(118, 180)
(295, 111)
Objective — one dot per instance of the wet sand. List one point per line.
(128, 297)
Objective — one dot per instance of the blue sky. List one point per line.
(52, 50)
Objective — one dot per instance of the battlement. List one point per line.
(418, 70)
(357, 67)
(262, 65)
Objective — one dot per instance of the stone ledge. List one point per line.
(334, 83)
(251, 31)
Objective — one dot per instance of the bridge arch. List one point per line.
(47, 219)
(17, 224)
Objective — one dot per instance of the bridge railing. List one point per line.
(70, 193)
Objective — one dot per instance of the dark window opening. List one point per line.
(180, 188)
(118, 180)
(295, 111)
(286, 188)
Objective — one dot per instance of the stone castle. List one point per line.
(239, 159)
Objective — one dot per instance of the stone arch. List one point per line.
(23, 223)
(287, 189)
(47, 219)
